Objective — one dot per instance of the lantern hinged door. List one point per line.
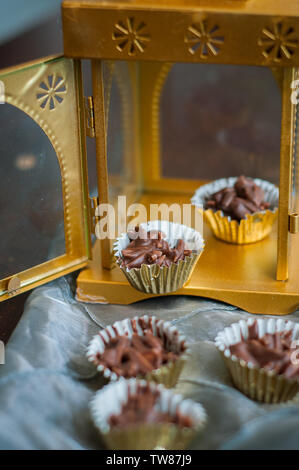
(45, 203)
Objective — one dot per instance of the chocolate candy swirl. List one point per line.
(141, 407)
(272, 352)
(151, 248)
(245, 197)
(137, 355)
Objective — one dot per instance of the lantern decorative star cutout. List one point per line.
(131, 37)
(51, 92)
(279, 42)
(204, 39)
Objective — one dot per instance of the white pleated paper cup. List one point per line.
(257, 383)
(253, 228)
(154, 279)
(109, 401)
(173, 341)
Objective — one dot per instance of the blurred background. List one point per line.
(29, 29)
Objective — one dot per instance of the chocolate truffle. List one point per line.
(272, 352)
(245, 197)
(135, 355)
(151, 248)
(141, 408)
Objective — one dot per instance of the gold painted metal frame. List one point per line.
(257, 32)
(65, 128)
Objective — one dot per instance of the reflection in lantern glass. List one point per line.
(25, 162)
(31, 201)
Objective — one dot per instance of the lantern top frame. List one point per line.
(252, 32)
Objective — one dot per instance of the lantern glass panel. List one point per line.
(30, 194)
(120, 122)
(220, 121)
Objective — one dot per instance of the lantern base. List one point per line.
(241, 275)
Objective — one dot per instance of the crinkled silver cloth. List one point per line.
(47, 383)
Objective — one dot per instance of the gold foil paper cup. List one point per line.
(250, 230)
(153, 279)
(257, 383)
(168, 374)
(109, 401)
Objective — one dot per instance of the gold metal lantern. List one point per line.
(133, 47)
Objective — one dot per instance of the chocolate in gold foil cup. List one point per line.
(153, 279)
(257, 383)
(169, 373)
(253, 228)
(109, 401)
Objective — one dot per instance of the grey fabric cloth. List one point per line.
(46, 383)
